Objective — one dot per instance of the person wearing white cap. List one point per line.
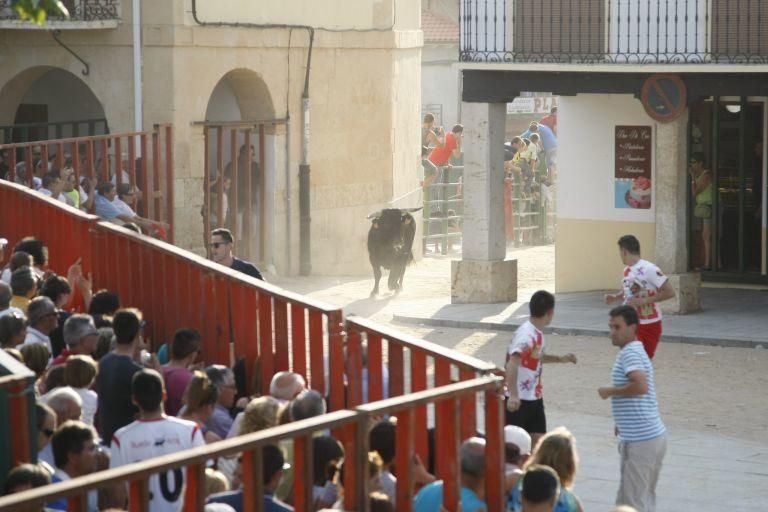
(3, 243)
(517, 449)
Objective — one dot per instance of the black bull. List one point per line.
(390, 243)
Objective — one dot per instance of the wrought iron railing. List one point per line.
(79, 10)
(614, 31)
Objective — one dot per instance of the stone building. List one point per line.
(196, 63)
(688, 78)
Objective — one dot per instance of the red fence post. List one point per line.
(403, 456)
(253, 480)
(303, 475)
(18, 401)
(316, 350)
(266, 354)
(281, 335)
(494, 462)
(169, 216)
(375, 369)
(419, 383)
(194, 494)
(468, 407)
(299, 340)
(138, 495)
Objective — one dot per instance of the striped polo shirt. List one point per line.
(637, 417)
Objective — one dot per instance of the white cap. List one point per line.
(517, 436)
(3, 242)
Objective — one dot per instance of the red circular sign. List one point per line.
(664, 97)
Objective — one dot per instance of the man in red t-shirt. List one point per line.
(441, 155)
(550, 120)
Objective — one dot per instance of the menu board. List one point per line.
(633, 167)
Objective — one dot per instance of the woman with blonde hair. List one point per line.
(557, 449)
(260, 413)
(199, 401)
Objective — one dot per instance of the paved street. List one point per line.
(712, 398)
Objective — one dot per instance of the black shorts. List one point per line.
(530, 416)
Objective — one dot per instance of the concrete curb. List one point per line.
(576, 331)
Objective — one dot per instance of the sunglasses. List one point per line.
(48, 432)
(216, 245)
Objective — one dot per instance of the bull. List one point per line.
(390, 244)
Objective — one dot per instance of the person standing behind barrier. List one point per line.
(643, 285)
(642, 435)
(525, 355)
(431, 137)
(184, 350)
(441, 155)
(222, 243)
(153, 435)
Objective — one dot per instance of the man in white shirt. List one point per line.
(154, 434)
(43, 319)
(525, 355)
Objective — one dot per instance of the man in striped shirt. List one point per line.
(642, 435)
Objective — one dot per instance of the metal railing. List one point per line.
(28, 132)
(444, 210)
(354, 423)
(79, 10)
(528, 213)
(141, 159)
(614, 31)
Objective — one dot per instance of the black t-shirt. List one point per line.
(246, 268)
(114, 387)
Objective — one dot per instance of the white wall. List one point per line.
(440, 80)
(586, 160)
(67, 97)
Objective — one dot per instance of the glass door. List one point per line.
(726, 235)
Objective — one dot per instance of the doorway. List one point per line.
(728, 132)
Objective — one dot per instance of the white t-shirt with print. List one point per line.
(643, 279)
(528, 343)
(143, 440)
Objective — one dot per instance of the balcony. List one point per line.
(614, 31)
(83, 14)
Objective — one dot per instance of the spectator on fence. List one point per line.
(540, 489)
(285, 386)
(80, 373)
(6, 294)
(550, 120)
(103, 307)
(52, 186)
(42, 318)
(472, 494)
(25, 477)
(13, 329)
(273, 462)
(200, 399)
(441, 155)
(185, 347)
(17, 260)
(127, 197)
(557, 449)
(24, 288)
(327, 456)
(80, 336)
(58, 290)
(45, 421)
(168, 434)
(548, 143)
(116, 369)
(74, 451)
(104, 207)
(260, 413)
(224, 379)
(222, 243)
(431, 137)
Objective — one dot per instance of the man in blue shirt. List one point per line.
(642, 435)
(548, 141)
(104, 207)
(472, 494)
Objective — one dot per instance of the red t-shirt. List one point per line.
(550, 121)
(441, 155)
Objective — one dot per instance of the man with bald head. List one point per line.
(286, 385)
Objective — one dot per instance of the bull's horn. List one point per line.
(411, 210)
(374, 215)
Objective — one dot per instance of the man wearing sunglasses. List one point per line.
(221, 245)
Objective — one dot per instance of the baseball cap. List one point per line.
(517, 436)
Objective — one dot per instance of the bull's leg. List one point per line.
(377, 278)
(400, 280)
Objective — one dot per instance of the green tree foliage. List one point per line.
(37, 11)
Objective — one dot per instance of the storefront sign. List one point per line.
(633, 167)
(532, 105)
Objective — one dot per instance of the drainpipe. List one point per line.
(288, 252)
(305, 256)
(138, 102)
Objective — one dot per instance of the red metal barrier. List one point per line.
(106, 157)
(356, 422)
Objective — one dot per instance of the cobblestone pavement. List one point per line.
(713, 399)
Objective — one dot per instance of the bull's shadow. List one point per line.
(368, 306)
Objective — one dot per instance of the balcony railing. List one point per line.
(615, 31)
(88, 11)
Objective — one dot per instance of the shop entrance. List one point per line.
(727, 195)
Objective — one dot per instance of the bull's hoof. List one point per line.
(398, 290)
(373, 294)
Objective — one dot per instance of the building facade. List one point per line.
(643, 88)
(198, 64)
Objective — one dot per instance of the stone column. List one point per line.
(483, 274)
(672, 182)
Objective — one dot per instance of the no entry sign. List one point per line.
(664, 97)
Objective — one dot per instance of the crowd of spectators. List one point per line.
(104, 400)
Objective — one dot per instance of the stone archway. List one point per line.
(45, 102)
(240, 104)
